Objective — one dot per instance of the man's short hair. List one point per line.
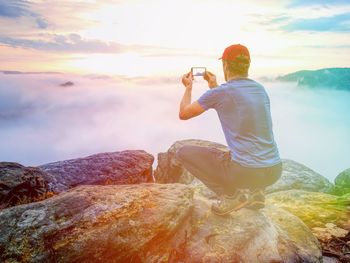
(239, 66)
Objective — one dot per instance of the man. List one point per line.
(243, 108)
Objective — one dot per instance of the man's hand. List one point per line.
(211, 78)
(187, 80)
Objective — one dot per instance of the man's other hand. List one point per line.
(187, 80)
(211, 78)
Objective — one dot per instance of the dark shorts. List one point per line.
(216, 169)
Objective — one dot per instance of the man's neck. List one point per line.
(236, 77)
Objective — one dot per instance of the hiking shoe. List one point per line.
(256, 199)
(227, 203)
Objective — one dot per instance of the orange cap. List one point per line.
(231, 52)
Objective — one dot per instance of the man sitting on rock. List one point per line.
(243, 108)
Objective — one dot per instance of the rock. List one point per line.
(330, 260)
(315, 209)
(124, 167)
(336, 246)
(269, 235)
(342, 183)
(328, 217)
(20, 184)
(330, 230)
(112, 223)
(343, 179)
(149, 222)
(170, 170)
(294, 175)
(297, 176)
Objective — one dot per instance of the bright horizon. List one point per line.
(146, 46)
(154, 38)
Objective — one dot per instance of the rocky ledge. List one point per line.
(149, 222)
(107, 208)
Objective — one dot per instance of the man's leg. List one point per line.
(257, 194)
(206, 164)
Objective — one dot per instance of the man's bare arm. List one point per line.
(188, 110)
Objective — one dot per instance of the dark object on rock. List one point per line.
(342, 183)
(124, 167)
(20, 184)
(67, 84)
(111, 223)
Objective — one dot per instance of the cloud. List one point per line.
(336, 23)
(74, 43)
(345, 46)
(13, 9)
(94, 115)
(21, 8)
(43, 122)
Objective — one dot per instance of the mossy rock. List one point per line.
(342, 183)
(314, 208)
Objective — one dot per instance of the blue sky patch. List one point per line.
(20, 8)
(337, 23)
(296, 3)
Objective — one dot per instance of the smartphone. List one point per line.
(198, 71)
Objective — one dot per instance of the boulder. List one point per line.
(342, 183)
(297, 176)
(149, 222)
(170, 170)
(20, 184)
(124, 167)
(111, 223)
(268, 235)
(294, 175)
(335, 243)
(314, 208)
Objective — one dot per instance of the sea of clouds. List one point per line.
(42, 121)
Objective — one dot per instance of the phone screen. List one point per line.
(198, 71)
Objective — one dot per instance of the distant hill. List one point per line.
(334, 78)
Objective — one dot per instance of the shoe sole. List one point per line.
(233, 209)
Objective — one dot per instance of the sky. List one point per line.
(126, 58)
(161, 37)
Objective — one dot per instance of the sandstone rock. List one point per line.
(124, 167)
(269, 235)
(112, 223)
(170, 170)
(342, 183)
(315, 209)
(149, 223)
(335, 243)
(328, 232)
(343, 179)
(294, 174)
(297, 176)
(20, 184)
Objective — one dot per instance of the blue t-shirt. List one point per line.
(243, 107)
